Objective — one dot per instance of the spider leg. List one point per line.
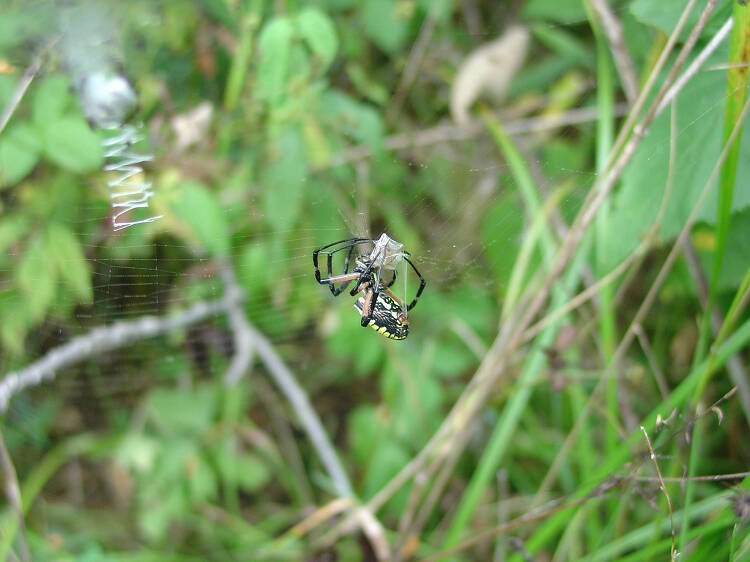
(422, 284)
(368, 307)
(349, 245)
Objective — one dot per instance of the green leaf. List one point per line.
(252, 473)
(560, 11)
(12, 228)
(353, 119)
(65, 251)
(71, 144)
(366, 85)
(364, 428)
(19, 153)
(37, 277)
(284, 181)
(501, 231)
(274, 45)
(155, 517)
(388, 458)
(252, 270)
(665, 14)
(441, 10)
(178, 410)
(50, 100)
(384, 25)
(318, 31)
(16, 315)
(202, 482)
(203, 217)
(698, 145)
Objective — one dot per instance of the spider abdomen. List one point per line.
(388, 318)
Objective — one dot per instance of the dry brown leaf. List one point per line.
(488, 70)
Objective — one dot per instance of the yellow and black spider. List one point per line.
(379, 308)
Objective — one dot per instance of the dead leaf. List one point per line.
(488, 70)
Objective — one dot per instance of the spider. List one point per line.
(379, 308)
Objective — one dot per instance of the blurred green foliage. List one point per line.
(181, 467)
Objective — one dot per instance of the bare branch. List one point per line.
(107, 338)
(286, 382)
(454, 133)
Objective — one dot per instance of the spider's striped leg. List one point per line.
(341, 245)
(369, 308)
(422, 284)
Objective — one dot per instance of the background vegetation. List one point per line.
(517, 419)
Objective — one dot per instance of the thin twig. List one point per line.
(454, 133)
(289, 386)
(691, 70)
(613, 31)
(107, 338)
(661, 382)
(13, 493)
(241, 333)
(663, 489)
(24, 83)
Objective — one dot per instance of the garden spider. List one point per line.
(380, 308)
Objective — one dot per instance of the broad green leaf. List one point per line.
(37, 277)
(221, 12)
(65, 251)
(387, 459)
(384, 25)
(737, 256)
(12, 228)
(441, 10)
(284, 181)
(665, 14)
(51, 98)
(203, 217)
(252, 269)
(202, 483)
(71, 144)
(274, 45)
(159, 511)
(318, 31)
(17, 319)
(19, 153)
(700, 107)
(252, 473)
(353, 119)
(177, 410)
(364, 427)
